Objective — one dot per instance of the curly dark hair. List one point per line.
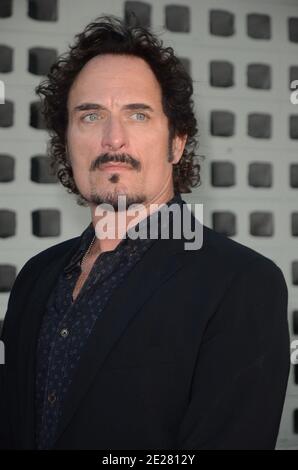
(110, 35)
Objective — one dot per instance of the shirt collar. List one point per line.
(88, 235)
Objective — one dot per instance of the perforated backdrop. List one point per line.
(242, 57)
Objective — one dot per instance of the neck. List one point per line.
(119, 222)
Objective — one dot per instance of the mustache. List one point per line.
(122, 157)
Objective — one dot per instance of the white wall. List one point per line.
(22, 141)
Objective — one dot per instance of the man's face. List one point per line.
(115, 115)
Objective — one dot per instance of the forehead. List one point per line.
(116, 77)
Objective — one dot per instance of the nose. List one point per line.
(114, 135)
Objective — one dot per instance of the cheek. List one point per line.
(82, 149)
(76, 135)
(157, 168)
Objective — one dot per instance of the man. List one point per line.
(122, 343)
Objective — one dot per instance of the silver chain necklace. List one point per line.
(88, 251)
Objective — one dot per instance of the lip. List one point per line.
(113, 167)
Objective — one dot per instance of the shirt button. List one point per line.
(64, 333)
(52, 398)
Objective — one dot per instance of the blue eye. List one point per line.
(140, 114)
(90, 116)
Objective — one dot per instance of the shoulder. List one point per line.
(222, 261)
(31, 271)
(36, 263)
(218, 250)
(54, 251)
(226, 249)
(247, 290)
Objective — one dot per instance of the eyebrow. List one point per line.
(130, 106)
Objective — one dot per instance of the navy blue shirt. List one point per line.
(67, 324)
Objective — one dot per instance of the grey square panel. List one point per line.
(293, 29)
(259, 76)
(295, 421)
(295, 273)
(186, 64)
(222, 123)
(177, 18)
(293, 75)
(41, 59)
(6, 114)
(259, 125)
(43, 10)
(7, 166)
(41, 171)
(294, 175)
(260, 175)
(6, 57)
(46, 223)
(137, 13)
(295, 322)
(5, 8)
(221, 73)
(258, 26)
(221, 23)
(36, 116)
(294, 224)
(8, 274)
(293, 126)
(224, 223)
(7, 223)
(222, 174)
(261, 224)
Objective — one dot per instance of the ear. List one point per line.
(178, 145)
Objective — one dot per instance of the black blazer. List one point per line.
(192, 352)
